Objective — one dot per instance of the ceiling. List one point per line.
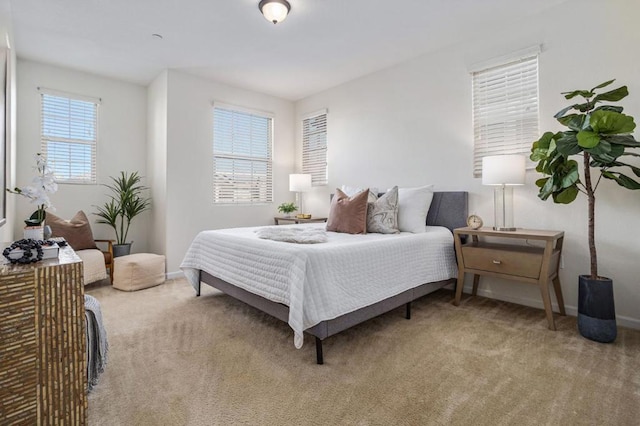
(322, 43)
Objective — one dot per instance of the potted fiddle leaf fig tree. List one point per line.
(126, 202)
(600, 134)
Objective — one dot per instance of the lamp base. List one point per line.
(503, 208)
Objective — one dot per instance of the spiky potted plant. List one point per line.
(601, 135)
(126, 202)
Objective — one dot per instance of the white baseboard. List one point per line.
(174, 275)
(537, 303)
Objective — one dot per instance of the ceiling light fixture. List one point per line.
(274, 10)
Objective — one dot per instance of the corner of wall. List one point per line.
(6, 231)
(157, 102)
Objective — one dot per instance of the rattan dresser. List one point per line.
(42, 342)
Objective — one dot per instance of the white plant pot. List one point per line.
(34, 232)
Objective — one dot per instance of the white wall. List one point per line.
(411, 125)
(121, 141)
(157, 161)
(189, 175)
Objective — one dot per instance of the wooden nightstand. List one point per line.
(278, 219)
(529, 264)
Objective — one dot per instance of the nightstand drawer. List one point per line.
(510, 260)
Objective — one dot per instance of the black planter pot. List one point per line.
(121, 249)
(596, 309)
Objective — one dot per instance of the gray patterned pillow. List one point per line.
(382, 214)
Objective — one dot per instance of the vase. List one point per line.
(34, 232)
(596, 309)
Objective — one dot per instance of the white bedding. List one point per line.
(322, 281)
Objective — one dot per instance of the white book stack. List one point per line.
(48, 252)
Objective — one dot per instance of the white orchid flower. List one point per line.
(42, 185)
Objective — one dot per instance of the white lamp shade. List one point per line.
(274, 11)
(503, 170)
(300, 182)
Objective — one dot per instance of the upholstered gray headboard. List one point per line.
(449, 209)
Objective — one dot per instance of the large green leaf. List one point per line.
(588, 139)
(612, 96)
(634, 169)
(625, 140)
(568, 144)
(538, 155)
(605, 84)
(611, 122)
(553, 164)
(622, 180)
(572, 176)
(545, 140)
(609, 108)
(583, 93)
(566, 196)
(540, 182)
(614, 152)
(549, 188)
(587, 106)
(575, 122)
(543, 148)
(603, 147)
(563, 111)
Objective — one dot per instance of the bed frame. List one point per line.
(448, 209)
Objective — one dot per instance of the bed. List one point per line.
(323, 289)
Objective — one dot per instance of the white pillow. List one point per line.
(350, 191)
(413, 206)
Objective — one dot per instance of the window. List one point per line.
(314, 147)
(242, 163)
(69, 136)
(505, 107)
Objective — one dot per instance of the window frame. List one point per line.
(311, 161)
(268, 188)
(46, 139)
(517, 126)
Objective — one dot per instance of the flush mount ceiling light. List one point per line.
(274, 10)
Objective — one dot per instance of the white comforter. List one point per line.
(322, 281)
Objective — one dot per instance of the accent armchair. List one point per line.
(77, 232)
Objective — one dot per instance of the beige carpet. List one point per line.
(180, 360)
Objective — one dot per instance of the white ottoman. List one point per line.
(138, 271)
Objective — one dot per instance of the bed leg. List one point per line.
(319, 358)
(198, 289)
(408, 315)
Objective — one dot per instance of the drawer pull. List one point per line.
(497, 262)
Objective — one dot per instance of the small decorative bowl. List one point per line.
(303, 216)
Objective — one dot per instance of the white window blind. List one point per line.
(314, 147)
(242, 156)
(505, 109)
(69, 136)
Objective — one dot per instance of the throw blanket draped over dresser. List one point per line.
(97, 345)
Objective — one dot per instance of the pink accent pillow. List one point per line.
(348, 214)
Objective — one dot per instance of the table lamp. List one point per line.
(503, 171)
(299, 183)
